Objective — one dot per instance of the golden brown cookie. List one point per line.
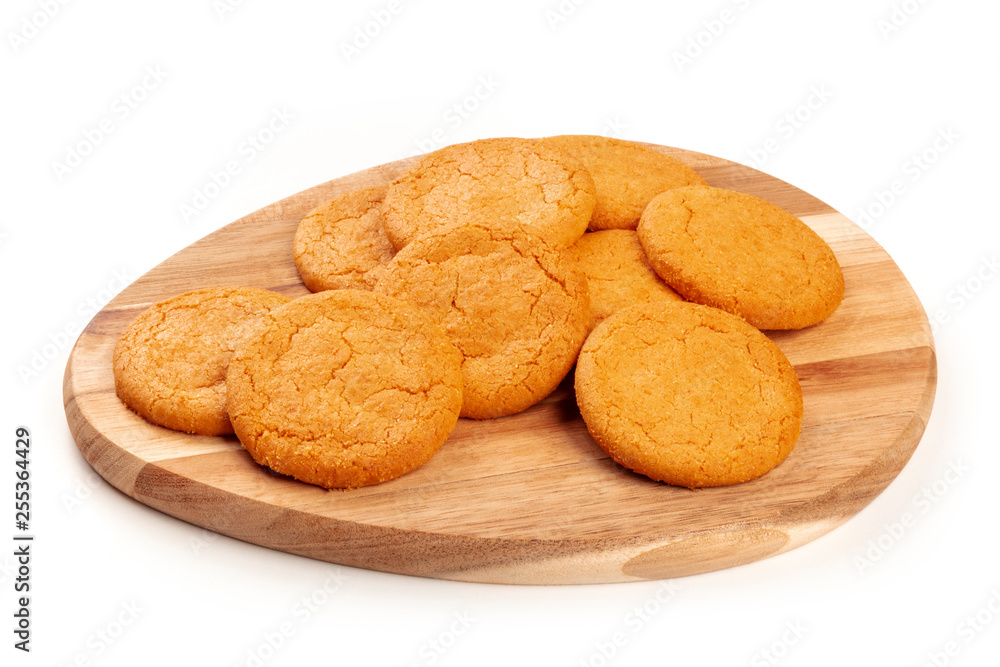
(170, 363)
(688, 394)
(626, 176)
(345, 388)
(341, 243)
(742, 254)
(618, 274)
(490, 180)
(515, 305)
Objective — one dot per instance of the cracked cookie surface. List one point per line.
(743, 255)
(509, 179)
(618, 273)
(341, 244)
(626, 176)
(170, 363)
(516, 307)
(687, 394)
(345, 388)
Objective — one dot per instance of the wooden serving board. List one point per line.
(530, 498)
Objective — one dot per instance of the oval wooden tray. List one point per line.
(531, 499)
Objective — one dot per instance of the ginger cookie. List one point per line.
(626, 176)
(170, 363)
(742, 254)
(341, 243)
(515, 305)
(687, 394)
(617, 272)
(517, 180)
(345, 388)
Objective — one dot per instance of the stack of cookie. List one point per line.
(470, 286)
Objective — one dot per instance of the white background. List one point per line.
(69, 236)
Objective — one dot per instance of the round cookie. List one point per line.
(688, 394)
(626, 176)
(341, 243)
(618, 274)
(170, 363)
(345, 388)
(742, 254)
(516, 306)
(517, 180)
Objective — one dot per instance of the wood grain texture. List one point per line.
(530, 498)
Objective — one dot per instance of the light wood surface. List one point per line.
(531, 499)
